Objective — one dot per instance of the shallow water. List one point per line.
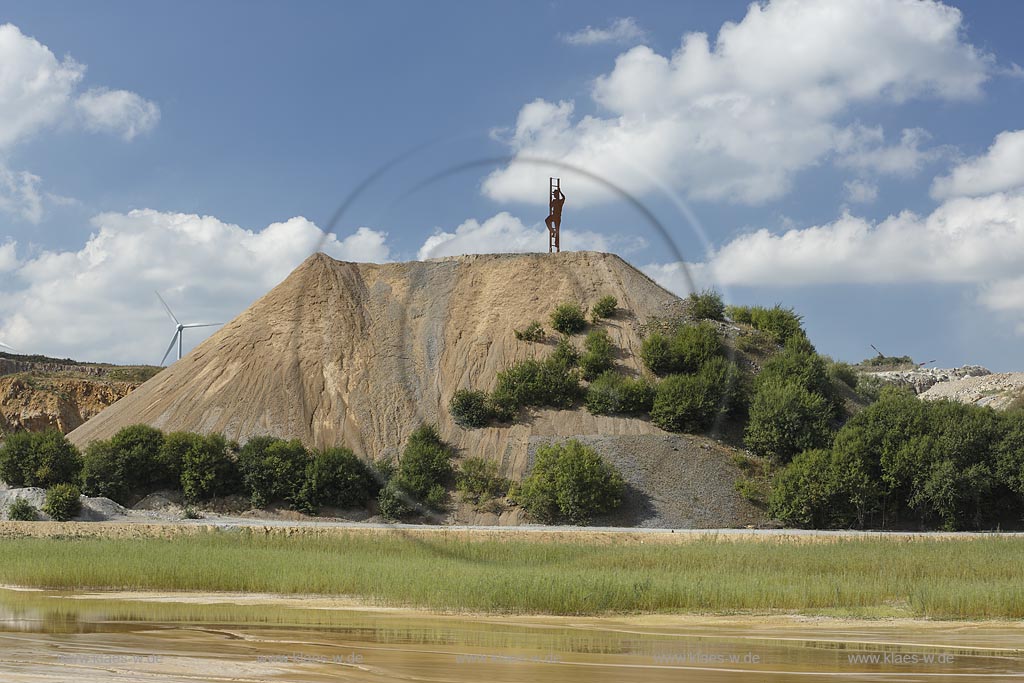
(59, 636)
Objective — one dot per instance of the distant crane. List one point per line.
(176, 339)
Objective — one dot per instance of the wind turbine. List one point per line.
(178, 331)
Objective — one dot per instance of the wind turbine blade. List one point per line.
(169, 348)
(201, 325)
(166, 307)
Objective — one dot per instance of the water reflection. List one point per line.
(48, 635)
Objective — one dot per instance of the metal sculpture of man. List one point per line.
(554, 220)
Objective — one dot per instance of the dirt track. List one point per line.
(616, 535)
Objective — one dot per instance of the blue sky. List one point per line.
(857, 160)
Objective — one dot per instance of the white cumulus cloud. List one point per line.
(1000, 168)
(98, 303)
(119, 112)
(736, 119)
(35, 86)
(38, 92)
(976, 241)
(622, 30)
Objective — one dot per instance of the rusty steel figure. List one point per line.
(554, 219)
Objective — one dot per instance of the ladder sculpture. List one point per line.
(554, 219)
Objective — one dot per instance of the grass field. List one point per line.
(857, 577)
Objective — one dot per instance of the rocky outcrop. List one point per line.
(34, 402)
(921, 380)
(12, 366)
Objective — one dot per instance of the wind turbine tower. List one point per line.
(180, 327)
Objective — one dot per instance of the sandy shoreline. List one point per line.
(354, 604)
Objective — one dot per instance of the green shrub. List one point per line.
(934, 463)
(796, 364)
(437, 497)
(172, 453)
(138, 449)
(612, 393)
(565, 353)
(1009, 453)
(822, 489)
(478, 483)
(604, 308)
(685, 351)
(393, 502)
(779, 323)
(471, 408)
(22, 511)
(785, 419)
(536, 383)
(62, 502)
(128, 466)
(426, 461)
(338, 478)
(572, 481)
(842, 372)
(208, 467)
(534, 332)
(568, 318)
(40, 459)
(706, 305)
(685, 403)
(598, 354)
(656, 353)
(882, 361)
(740, 314)
(692, 403)
(272, 469)
(104, 473)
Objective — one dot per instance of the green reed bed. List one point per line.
(942, 578)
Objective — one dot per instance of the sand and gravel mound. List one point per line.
(360, 355)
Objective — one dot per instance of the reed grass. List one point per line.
(979, 578)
